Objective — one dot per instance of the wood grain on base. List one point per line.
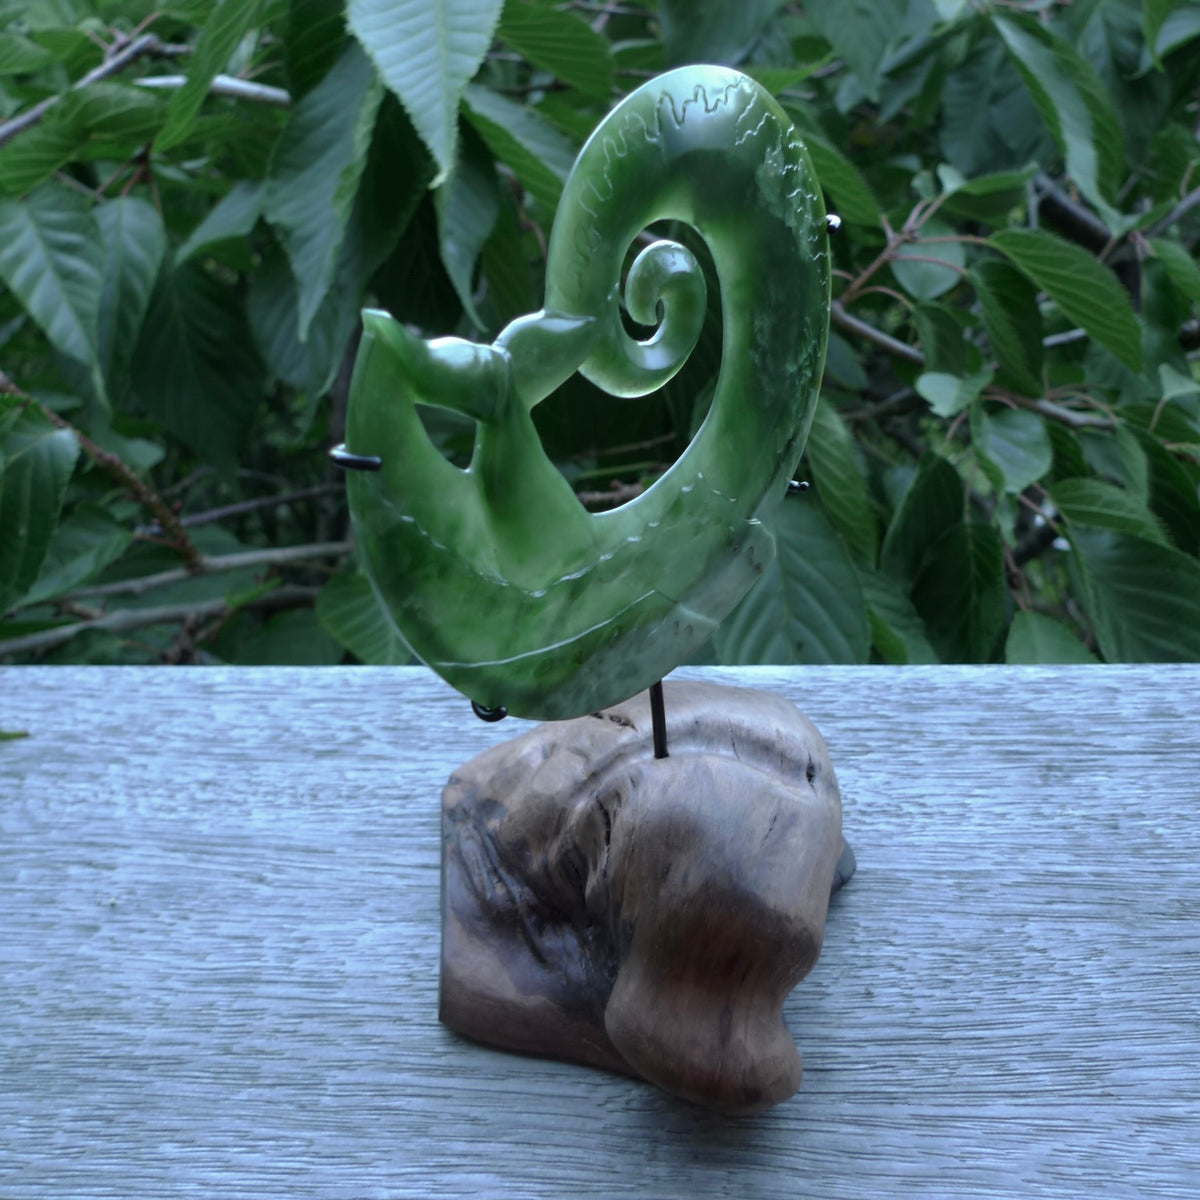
(219, 949)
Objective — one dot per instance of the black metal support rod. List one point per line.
(658, 714)
(348, 461)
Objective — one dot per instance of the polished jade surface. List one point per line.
(496, 575)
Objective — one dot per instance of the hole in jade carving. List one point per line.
(611, 449)
(452, 433)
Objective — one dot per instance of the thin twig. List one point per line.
(246, 506)
(127, 619)
(1071, 216)
(148, 43)
(224, 85)
(876, 337)
(1065, 338)
(617, 495)
(124, 474)
(273, 557)
(648, 444)
(1181, 210)
(1071, 418)
(890, 405)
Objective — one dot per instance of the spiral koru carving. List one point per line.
(496, 575)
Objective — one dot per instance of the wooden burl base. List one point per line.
(639, 914)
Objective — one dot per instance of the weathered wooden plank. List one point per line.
(219, 940)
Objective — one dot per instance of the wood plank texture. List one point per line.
(219, 949)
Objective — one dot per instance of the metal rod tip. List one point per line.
(658, 719)
(341, 457)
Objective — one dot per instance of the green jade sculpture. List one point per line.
(496, 576)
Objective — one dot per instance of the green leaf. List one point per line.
(897, 631)
(110, 120)
(1034, 638)
(52, 261)
(1085, 289)
(467, 205)
(940, 335)
(20, 56)
(38, 459)
(1103, 506)
(1180, 265)
(538, 154)
(219, 38)
(808, 606)
(233, 216)
(194, 367)
(562, 43)
(272, 308)
(1179, 28)
(289, 639)
(1175, 384)
(1154, 13)
(140, 454)
(931, 504)
(860, 32)
(842, 365)
(840, 483)
(1143, 599)
(83, 545)
(929, 280)
(316, 34)
(36, 154)
(950, 10)
(1013, 446)
(315, 174)
(503, 263)
(1073, 103)
(961, 593)
(990, 198)
(717, 31)
(850, 194)
(350, 613)
(134, 243)
(1174, 492)
(112, 112)
(1134, 465)
(947, 394)
(1013, 323)
(427, 51)
(779, 79)
(392, 184)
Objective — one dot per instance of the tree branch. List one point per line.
(127, 619)
(876, 337)
(1079, 223)
(124, 474)
(1071, 418)
(116, 61)
(247, 506)
(224, 85)
(274, 557)
(1181, 210)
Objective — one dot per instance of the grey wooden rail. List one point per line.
(219, 950)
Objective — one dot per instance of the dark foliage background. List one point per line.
(197, 198)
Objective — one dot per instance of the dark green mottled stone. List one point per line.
(496, 576)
